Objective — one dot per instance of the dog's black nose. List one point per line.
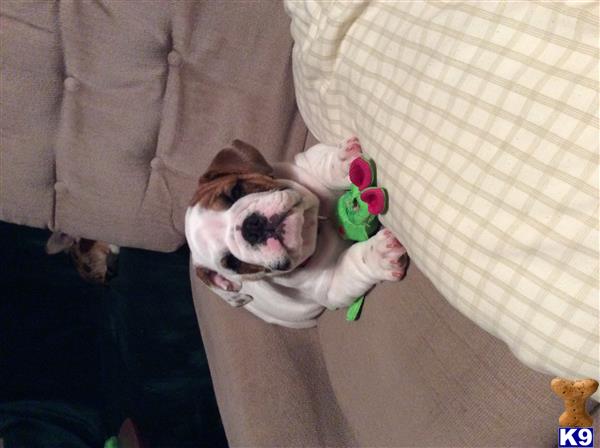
(254, 228)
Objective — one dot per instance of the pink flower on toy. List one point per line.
(360, 173)
(375, 199)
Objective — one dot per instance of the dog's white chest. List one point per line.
(294, 300)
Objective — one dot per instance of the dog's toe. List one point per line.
(351, 149)
(390, 257)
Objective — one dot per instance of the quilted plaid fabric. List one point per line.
(482, 118)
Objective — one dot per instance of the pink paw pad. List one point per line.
(352, 146)
(392, 256)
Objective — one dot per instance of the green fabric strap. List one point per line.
(353, 312)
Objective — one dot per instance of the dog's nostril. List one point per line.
(254, 228)
(283, 265)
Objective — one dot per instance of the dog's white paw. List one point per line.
(347, 151)
(350, 149)
(386, 256)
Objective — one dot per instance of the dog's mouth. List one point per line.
(297, 231)
(288, 225)
(278, 223)
(294, 230)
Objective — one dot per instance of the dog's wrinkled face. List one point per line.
(244, 224)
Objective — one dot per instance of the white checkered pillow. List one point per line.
(482, 118)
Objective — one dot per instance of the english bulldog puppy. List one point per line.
(264, 237)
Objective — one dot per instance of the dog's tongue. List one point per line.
(292, 230)
(273, 244)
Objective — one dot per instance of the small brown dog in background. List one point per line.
(95, 261)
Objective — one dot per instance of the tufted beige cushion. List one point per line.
(111, 110)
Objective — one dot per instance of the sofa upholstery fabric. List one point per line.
(115, 108)
(412, 371)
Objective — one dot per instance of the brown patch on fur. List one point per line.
(86, 245)
(241, 158)
(92, 259)
(242, 165)
(216, 194)
(205, 275)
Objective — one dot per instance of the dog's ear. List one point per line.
(226, 288)
(213, 279)
(59, 242)
(241, 158)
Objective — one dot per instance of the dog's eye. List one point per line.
(231, 262)
(237, 192)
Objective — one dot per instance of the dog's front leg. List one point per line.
(330, 164)
(365, 264)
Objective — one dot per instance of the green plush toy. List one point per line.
(357, 211)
